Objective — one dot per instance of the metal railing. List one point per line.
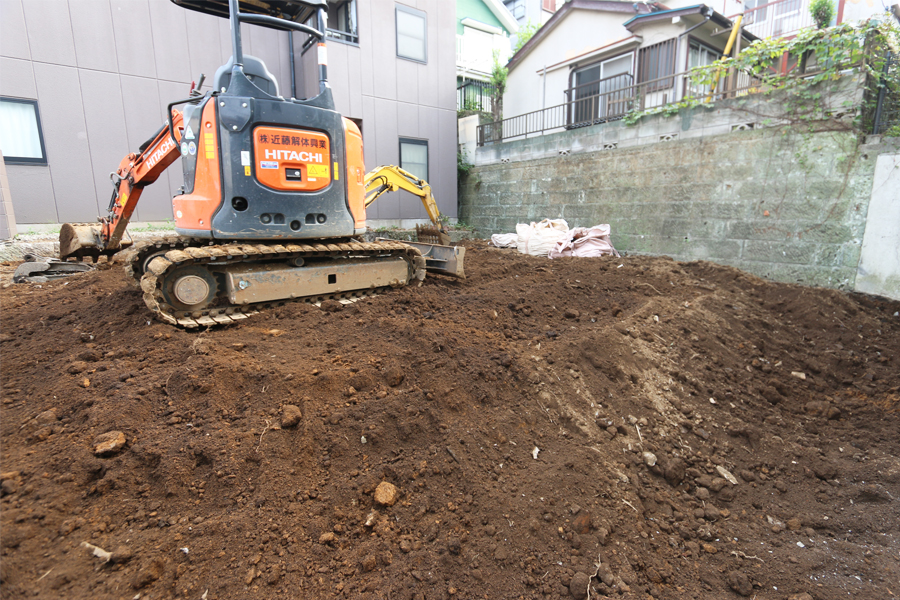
(612, 104)
(475, 95)
(781, 18)
(611, 92)
(887, 108)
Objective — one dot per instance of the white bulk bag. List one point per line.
(537, 239)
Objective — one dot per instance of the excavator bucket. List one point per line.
(80, 240)
(443, 259)
(429, 234)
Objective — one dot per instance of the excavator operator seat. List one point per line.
(256, 72)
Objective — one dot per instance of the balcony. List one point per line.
(778, 19)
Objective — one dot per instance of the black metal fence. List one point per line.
(610, 100)
(475, 96)
(887, 109)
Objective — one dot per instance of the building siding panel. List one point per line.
(104, 115)
(13, 32)
(31, 190)
(49, 32)
(134, 38)
(170, 46)
(65, 138)
(95, 40)
(17, 79)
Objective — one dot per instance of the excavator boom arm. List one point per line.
(137, 170)
(390, 178)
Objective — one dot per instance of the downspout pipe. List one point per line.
(708, 13)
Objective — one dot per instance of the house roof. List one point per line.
(503, 15)
(698, 9)
(611, 6)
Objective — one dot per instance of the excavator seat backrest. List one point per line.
(256, 72)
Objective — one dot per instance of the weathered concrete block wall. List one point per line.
(777, 202)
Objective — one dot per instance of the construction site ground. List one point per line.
(613, 427)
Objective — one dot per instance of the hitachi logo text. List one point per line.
(294, 155)
(164, 148)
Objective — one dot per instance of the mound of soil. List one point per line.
(632, 428)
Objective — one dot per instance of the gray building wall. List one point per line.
(103, 72)
(395, 97)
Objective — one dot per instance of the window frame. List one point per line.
(663, 56)
(514, 5)
(416, 142)
(398, 8)
(339, 35)
(27, 160)
(702, 46)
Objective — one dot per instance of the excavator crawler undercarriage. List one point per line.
(190, 283)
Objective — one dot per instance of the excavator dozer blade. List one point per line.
(80, 240)
(446, 260)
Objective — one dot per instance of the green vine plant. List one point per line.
(822, 56)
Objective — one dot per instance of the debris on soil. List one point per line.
(371, 452)
(41, 269)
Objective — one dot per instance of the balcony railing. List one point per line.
(475, 96)
(781, 18)
(612, 101)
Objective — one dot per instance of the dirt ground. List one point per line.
(631, 428)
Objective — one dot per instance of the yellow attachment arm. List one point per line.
(390, 178)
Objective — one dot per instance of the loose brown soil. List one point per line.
(636, 426)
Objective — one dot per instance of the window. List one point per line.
(755, 11)
(601, 90)
(699, 55)
(548, 5)
(21, 137)
(414, 157)
(411, 39)
(516, 8)
(655, 62)
(342, 21)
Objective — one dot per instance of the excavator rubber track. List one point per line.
(157, 262)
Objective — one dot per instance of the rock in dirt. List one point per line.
(368, 563)
(48, 417)
(109, 443)
(583, 522)
(726, 474)
(673, 471)
(327, 538)
(9, 486)
(386, 494)
(121, 554)
(331, 306)
(394, 376)
(290, 415)
(578, 587)
(739, 583)
(148, 574)
(571, 313)
(800, 596)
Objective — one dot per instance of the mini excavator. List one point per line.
(274, 198)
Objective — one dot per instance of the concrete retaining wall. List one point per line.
(778, 202)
